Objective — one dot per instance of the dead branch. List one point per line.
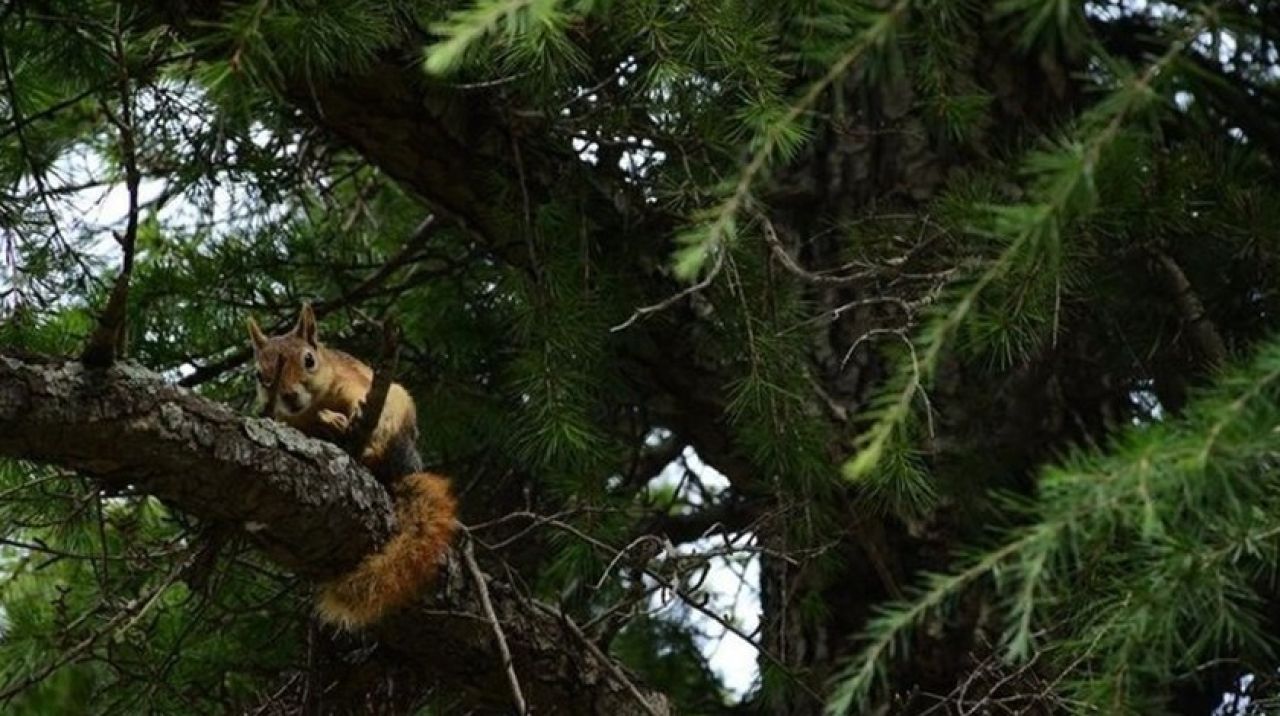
(675, 298)
(383, 375)
(469, 557)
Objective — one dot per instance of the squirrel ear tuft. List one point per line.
(256, 335)
(306, 328)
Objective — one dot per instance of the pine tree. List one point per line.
(971, 304)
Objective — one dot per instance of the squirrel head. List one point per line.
(292, 369)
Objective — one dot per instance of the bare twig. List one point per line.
(788, 262)
(676, 298)
(482, 589)
(107, 340)
(872, 333)
(661, 545)
(624, 66)
(680, 592)
(487, 84)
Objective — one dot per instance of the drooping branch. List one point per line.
(308, 505)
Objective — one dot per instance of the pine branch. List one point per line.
(887, 630)
(1197, 470)
(709, 237)
(1065, 195)
(464, 28)
(473, 568)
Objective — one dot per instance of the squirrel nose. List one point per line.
(291, 399)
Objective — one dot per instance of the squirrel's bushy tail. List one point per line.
(394, 575)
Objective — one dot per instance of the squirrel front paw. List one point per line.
(334, 420)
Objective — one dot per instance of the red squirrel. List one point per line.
(320, 391)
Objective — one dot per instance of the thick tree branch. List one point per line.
(310, 507)
(313, 508)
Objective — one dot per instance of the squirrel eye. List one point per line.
(309, 360)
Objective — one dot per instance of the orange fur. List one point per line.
(336, 385)
(393, 576)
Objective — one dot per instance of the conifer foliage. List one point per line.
(943, 330)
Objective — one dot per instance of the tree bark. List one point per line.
(310, 507)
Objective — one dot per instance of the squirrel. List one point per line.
(321, 391)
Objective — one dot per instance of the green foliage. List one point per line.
(557, 377)
(93, 579)
(317, 40)
(943, 380)
(776, 131)
(1054, 25)
(532, 29)
(1183, 512)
